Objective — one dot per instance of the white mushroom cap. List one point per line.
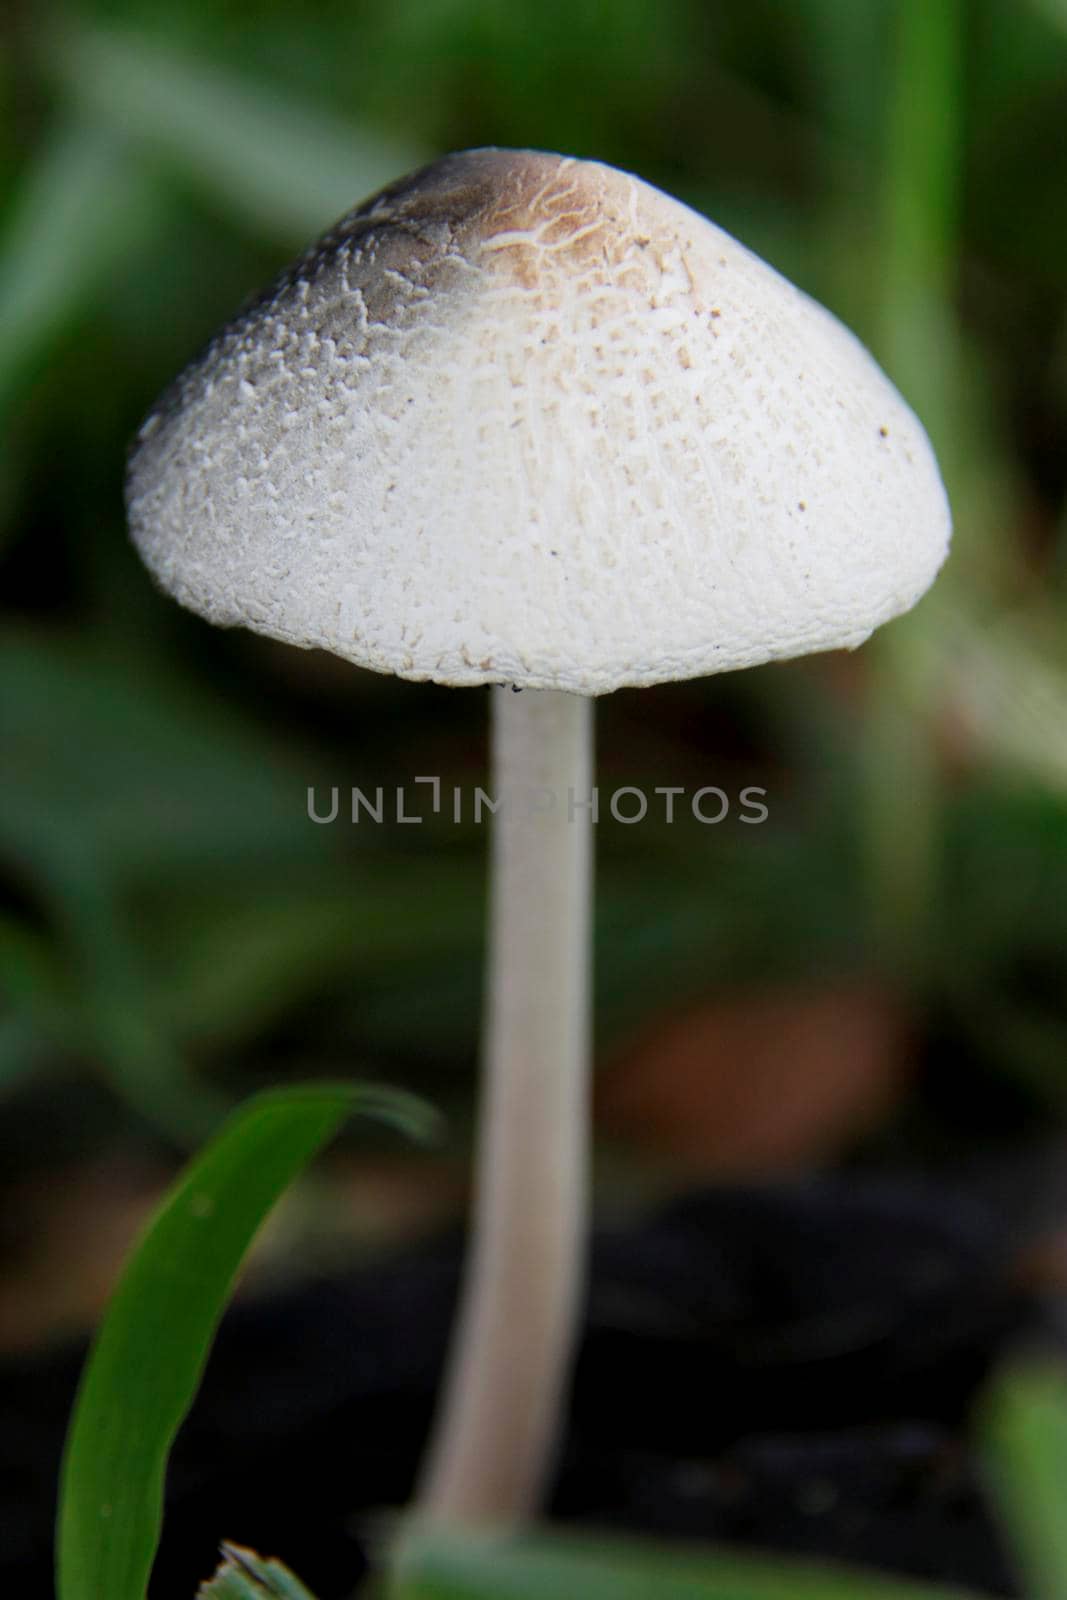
(525, 419)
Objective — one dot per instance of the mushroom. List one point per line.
(525, 421)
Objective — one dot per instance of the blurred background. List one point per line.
(871, 981)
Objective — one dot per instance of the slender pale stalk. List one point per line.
(510, 1363)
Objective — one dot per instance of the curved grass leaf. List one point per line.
(1025, 1428)
(149, 1355)
(438, 1566)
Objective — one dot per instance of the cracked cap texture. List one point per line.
(526, 419)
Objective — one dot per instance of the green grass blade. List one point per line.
(1025, 1429)
(919, 343)
(151, 1349)
(438, 1566)
(923, 164)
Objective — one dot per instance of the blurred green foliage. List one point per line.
(173, 927)
(553, 1566)
(1025, 1435)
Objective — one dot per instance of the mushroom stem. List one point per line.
(509, 1367)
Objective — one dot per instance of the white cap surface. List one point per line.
(524, 419)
